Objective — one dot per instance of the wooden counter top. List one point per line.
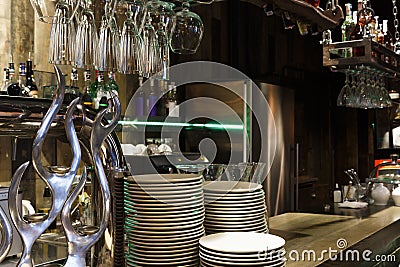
(318, 232)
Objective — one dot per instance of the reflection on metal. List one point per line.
(79, 244)
(59, 184)
(67, 125)
(6, 235)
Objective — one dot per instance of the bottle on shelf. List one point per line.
(6, 82)
(348, 24)
(30, 85)
(72, 91)
(100, 101)
(22, 78)
(87, 97)
(112, 84)
(380, 37)
(387, 37)
(314, 3)
(337, 194)
(152, 100)
(173, 109)
(14, 88)
(45, 207)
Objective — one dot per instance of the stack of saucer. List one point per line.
(234, 207)
(242, 249)
(164, 219)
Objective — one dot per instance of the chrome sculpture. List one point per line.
(79, 243)
(6, 235)
(59, 183)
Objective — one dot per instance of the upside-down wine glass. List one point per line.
(108, 46)
(86, 38)
(187, 31)
(344, 95)
(150, 50)
(62, 34)
(129, 61)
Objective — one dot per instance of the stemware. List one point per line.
(364, 100)
(131, 43)
(344, 95)
(86, 38)
(44, 9)
(62, 34)
(108, 46)
(187, 31)
(150, 50)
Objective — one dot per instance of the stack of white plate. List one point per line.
(164, 219)
(234, 207)
(242, 249)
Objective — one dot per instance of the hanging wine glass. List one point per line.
(131, 43)
(45, 9)
(187, 31)
(150, 50)
(86, 38)
(161, 14)
(139, 10)
(162, 39)
(108, 46)
(344, 95)
(62, 35)
(365, 101)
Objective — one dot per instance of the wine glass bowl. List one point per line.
(187, 31)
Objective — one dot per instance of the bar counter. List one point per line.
(315, 239)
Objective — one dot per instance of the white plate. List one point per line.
(271, 255)
(233, 217)
(166, 243)
(228, 263)
(164, 178)
(171, 239)
(169, 232)
(164, 263)
(168, 224)
(234, 223)
(244, 227)
(230, 186)
(183, 203)
(165, 213)
(237, 201)
(238, 204)
(240, 261)
(166, 256)
(230, 196)
(227, 209)
(242, 242)
(182, 206)
(161, 197)
(162, 249)
(157, 219)
(177, 184)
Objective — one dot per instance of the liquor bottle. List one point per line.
(87, 95)
(45, 207)
(303, 27)
(22, 78)
(387, 37)
(72, 91)
(6, 82)
(348, 24)
(380, 37)
(30, 85)
(173, 109)
(314, 3)
(112, 84)
(93, 90)
(152, 100)
(100, 101)
(139, 102)
(14, 88)
(366, 17)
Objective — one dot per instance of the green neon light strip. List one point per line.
(183, 124)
